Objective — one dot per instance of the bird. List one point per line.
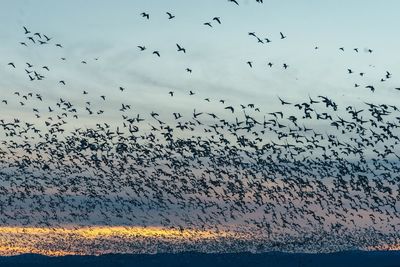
(47, 38)
(250, 63)
(230, 108)
(372, 88)
(181, 48)
(11, 64)
(170, 16)
(142, 48)
(283, 102)
(26, 30)
(157, 53)
(145, 15)
(282, 36)
(171, 93)
(217, 19)
(233, 1)
(207, 24)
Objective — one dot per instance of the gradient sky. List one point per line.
(112, 30)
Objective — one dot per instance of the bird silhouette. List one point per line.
(170, 16)
(145, 15)
(26, 30)
(181, 48)
(217, 19)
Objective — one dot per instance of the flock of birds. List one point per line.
(313, 174)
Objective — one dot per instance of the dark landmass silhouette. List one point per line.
(192, 259)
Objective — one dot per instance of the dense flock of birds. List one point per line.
(312, 175)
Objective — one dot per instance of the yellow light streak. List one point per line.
(386, 247)
(96, 240)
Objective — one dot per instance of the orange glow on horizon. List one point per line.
(387, 248)
(94, 240)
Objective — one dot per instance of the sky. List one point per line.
(112, 32)
(106, 35)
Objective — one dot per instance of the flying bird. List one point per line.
(26, 30)
(145, 15)
(283, 102)
(233, 1)
(230, 108)
(170, 16)
(217, 19)
(181, 48)
(372, 88)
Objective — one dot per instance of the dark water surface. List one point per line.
(342, 259)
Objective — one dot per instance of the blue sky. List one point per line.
(112, 30)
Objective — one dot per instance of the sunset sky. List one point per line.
(106, 35)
